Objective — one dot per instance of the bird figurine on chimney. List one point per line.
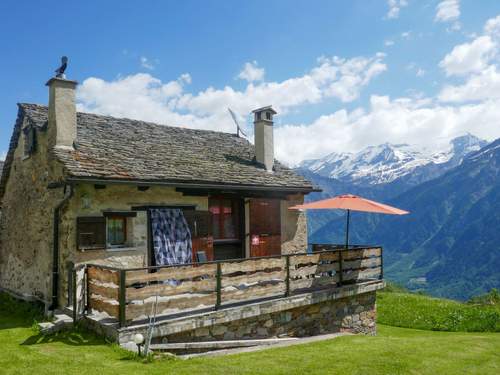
(62, 68)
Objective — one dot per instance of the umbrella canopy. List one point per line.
(352, 203)
(349, 203)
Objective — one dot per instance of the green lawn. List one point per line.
(393, 351)
(410, 310)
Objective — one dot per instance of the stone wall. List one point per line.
(26, 222)
(355, 314)
(293, 226)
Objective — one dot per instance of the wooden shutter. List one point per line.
(91, 232)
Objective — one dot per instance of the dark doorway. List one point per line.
(227, 226)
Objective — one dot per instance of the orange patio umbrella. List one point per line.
(350, 203)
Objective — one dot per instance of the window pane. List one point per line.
(230, 217)
(215, 211)
(116, 231)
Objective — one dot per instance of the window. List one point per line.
(225, 218)
(91, 232)
(29, 140)
(117, 230)
(268, 115)
(107, 231)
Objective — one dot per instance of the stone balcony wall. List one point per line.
(355, 314)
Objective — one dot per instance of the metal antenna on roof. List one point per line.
(238, 127)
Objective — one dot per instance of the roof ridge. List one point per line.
(41, 106)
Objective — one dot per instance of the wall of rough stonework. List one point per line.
(293, 226)
(354, 314)
(26, 222)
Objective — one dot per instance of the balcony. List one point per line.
(123, 298)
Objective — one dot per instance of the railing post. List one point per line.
(121, 298)
(287, 258)
(381, 264)
(341, 268)
(218, 285)
(87, 290)
(75, 296)
(70, 266)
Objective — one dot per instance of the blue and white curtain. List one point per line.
(171, 237)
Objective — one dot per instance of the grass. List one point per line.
(401, 309)
(393, 351)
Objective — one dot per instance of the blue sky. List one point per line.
(342, 74)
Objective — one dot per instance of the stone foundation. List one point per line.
(355, 314)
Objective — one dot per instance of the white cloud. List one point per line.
(395, 7)
(251, 72)
(406, 35)
(477, 62)
(447, 11)
(145, 97)
(419, 72)
(388, 43)
(479, 87)
(147, 63)
(403, 120)
(469, 57)
(492, 26)
(3, 155)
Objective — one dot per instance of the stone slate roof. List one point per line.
(111, 148)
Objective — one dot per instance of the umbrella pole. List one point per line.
(341, 268)
(347, 230)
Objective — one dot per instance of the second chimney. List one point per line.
(62, 113)
(264, 143)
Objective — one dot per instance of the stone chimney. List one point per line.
(264, 144)
(61, 129)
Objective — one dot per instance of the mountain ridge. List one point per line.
(387, 162)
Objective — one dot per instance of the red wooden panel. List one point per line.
(205, 244)
(265, 227)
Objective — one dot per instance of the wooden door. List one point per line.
(265, 227)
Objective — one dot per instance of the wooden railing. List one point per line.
(131, 294)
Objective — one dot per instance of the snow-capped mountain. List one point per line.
(386, 163)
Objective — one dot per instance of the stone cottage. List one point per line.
(80, 188)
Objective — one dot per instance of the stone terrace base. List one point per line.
(351, 308)
(352, 314)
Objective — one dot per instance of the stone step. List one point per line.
(215, 345)
(283, 344)
(60, 322)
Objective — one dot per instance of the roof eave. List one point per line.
(196, 185)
